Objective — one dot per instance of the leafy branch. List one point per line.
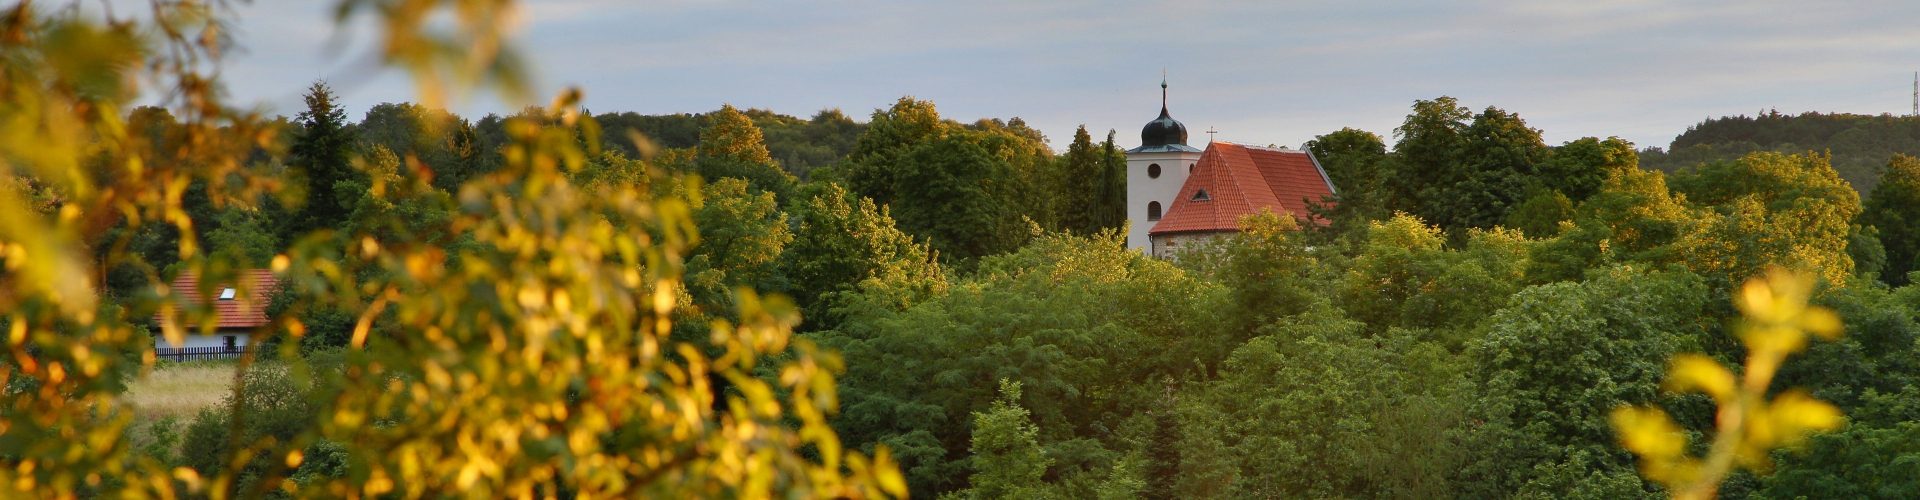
(1776, 322)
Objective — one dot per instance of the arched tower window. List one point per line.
(1153, 210)
(1153, 171)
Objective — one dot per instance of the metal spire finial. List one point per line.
(1163, 90)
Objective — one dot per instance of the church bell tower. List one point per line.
(1155, 172)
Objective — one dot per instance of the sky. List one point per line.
(1259, 72)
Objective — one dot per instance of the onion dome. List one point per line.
(1163, 131)
(1163, 134)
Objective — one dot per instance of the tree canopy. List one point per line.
(740, 303)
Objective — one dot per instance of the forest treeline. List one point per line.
(1477, 304)
(1462, 327)
(1861, 145)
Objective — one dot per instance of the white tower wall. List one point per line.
(1142, 190)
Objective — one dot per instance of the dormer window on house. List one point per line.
(226, 293)
(1201, 195)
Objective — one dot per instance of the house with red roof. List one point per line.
(1232, 181)
(1170, 207)
(238, 307)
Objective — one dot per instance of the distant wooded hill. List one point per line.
(800, 145)
(1860, 144)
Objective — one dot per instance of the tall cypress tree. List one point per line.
(1079, 191)
(323, 152)
(1112, 207)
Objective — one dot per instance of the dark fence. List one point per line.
(196, 353)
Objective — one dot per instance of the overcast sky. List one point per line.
(1261, 72)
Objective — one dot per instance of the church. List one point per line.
(1179, 195)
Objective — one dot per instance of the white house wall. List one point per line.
(198, 340)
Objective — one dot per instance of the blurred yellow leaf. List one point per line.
(1822, 322)
(1794, 414)
(1691, 372)
(1648, 432)
(889, 474)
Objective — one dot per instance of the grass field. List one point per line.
(179, 390)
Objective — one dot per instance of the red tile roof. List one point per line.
(245, 310)
(1240, 180)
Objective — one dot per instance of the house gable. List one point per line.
(245, 307)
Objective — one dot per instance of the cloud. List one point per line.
(1268, 72)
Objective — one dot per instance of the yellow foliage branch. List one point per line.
(1776, 322)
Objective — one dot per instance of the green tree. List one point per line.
(1868, 253)
(842, 244)
(400, 127)
(969, 190)
(1541, 214)
(732, 146)
(1872, 358)
(1577, 169)
(1893, 208)
(273, 404)
(954, 193)
(1164, 454)
(797, 146)
(1351, 157)
(1124, 481)
(323, 151)
(1007, 459)
(1026, 170)
(1558, 358)
(890, 135)
(1087, 328)
(1266, 270)
(242, 235)
(730, 135)
(1859, 462)
(1633, 218)
(1579, 477)
(1498, 165)
(1207, 467)
(613, 168)
(1774, 209)
(445, 143)
(1305, 409)
(1079, 181)
(742, 236)
(831, 130)
(1355, 161)
(1111, 208)
(393, 206)
(1428, 146)
(1402, 276)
